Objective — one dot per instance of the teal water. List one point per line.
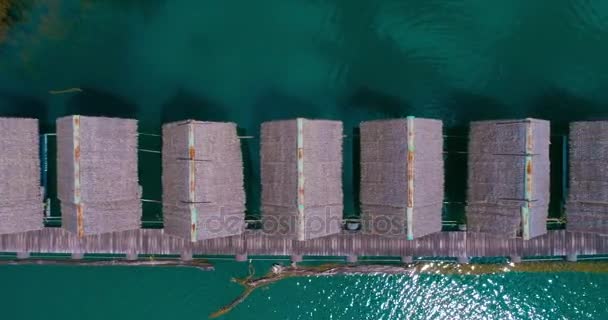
(45, 292)
(352, 60)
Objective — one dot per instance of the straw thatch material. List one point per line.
(21, 206)
(384, 179)
(104, 161)
(508, 172)
(320, 164)
(587, 205)
(202, 180)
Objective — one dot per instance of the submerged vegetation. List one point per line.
(279, 272)
(4, 6)
(197, 263)
(64, 91)
(12, 12)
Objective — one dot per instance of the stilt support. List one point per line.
(463, 260)
(242, 257)
(77, 255)
(407, 259)
(23, 255)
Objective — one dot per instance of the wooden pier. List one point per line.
(114, 229)
(254, 242)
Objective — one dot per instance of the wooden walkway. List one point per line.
(254, 242)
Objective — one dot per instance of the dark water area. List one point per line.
(162, 61)
(350, 60)
(250, 62)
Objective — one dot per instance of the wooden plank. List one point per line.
(255, 242)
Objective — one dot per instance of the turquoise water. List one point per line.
(49, 292)
(352, 60)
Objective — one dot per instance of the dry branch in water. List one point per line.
(278, 273)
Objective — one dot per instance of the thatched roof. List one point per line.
(203, 194)
(21, 206)
(508, 177)
(400, 175)
(587, 206)
(97, 174)
(301, 170)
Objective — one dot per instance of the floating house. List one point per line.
(508, 177)
(301, 164)
(203, 195)
(97, 174)
(587, 204)
(21, 204)
(401, 177)
(301, 173)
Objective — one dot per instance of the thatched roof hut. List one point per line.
(21, 203)
(97, 174)
(203, 195)
(587, 205)
(301, 170)
(402, 177)
(508, 177)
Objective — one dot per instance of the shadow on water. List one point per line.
(376, 104)
(470, 106)
(186, 105)
(252, 177)
(356, 173)
(14, 105)
(361, 105)
(562, 107)
(276, 105)
(272, 104)
(99, 103)
(467, 106)
(21, 106)
(95, 102)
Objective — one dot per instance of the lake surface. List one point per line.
(52, 292)
(350, 60)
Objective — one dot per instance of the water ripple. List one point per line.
(513, 295)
